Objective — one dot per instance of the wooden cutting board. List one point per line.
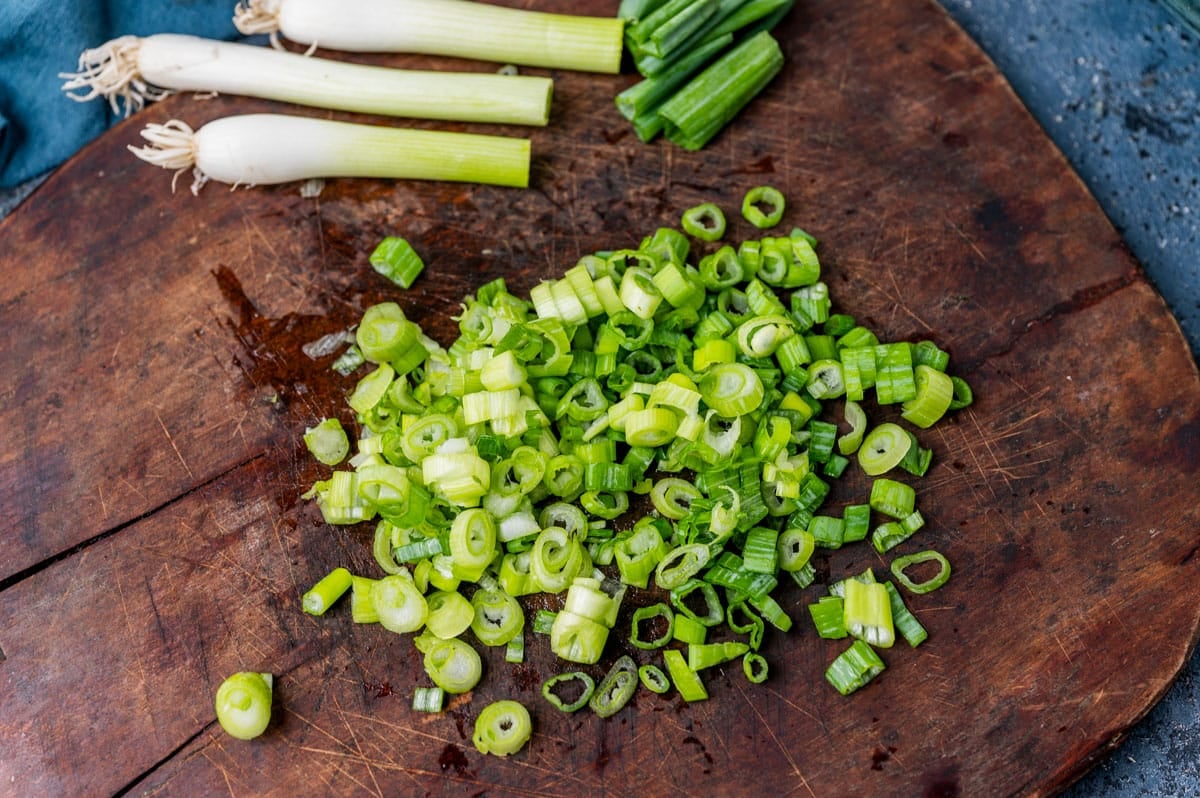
(155, 394)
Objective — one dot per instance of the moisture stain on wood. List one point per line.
(454, 758)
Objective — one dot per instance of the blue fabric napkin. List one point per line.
(40, 126)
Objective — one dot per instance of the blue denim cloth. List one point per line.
(40, 126)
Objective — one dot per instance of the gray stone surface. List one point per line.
(1116, 85)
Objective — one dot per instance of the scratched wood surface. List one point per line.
(155, 393)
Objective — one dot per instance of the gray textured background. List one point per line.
(1116, 85)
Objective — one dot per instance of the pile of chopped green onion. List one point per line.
(701, 62)
(668, 417)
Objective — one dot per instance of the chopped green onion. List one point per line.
(759, 550)
(856, 417)
(732, 389)
(514, 651)
(706, 655)
(883, 448)
(497, 617)
(890, 534)
(854, 667)
(828, 617)
(867, 613)
(453, 665)
(751, 625)
(894, 378)
(502, 728)
(616, 688)
(398, 603)
(362, 608)
(892, 498)
(396, 260)
(935, 392)
(680, 565)
(772, 613)
(327, 442)
(763, 206)
(472, 542)
(827, 531)
(572, 682)
(450, 613)
(713, 614)
(321, 596)
(578, 634)
(506, 464)
(686, 680)
(902, 618)
(543, 621)
(857, 522)
(705, 222)
(428, 699)
(243, 704)
(754, 665)
(963, 396)
(648, 616)
(688, 630)
(901, 564)
(653, 679)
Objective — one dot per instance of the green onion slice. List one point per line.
(502, 728)
(243, 704)
(883, 448)
(653, 678)
(327, 442)
(732, 389)
(686, 680)
(428, 699)
(616, 688)
(321, 596)
(763, 206)
(854, 667)
(570, 682)
(754, 666)
(648, 617)
(901, 564)
(453, 665)
(398, 603)
(705, 222)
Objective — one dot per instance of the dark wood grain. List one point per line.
(155, 394)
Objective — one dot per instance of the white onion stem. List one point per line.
(138, 69)
(459, 28)
(265, 149)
